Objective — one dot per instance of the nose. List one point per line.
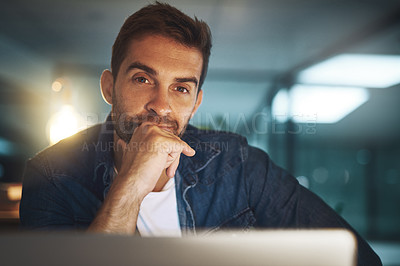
(159, 102)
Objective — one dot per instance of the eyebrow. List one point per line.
(191, 79)
(141, 66)
(153, 72)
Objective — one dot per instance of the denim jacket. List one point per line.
(227, 184)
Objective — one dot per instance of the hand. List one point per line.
(152, 150)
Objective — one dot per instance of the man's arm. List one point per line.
(279, 201)
(150, 152)
(43, 204)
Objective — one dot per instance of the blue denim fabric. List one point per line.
(227, 184)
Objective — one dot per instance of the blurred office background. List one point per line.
(314, 83)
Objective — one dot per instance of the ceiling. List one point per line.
(257, 46)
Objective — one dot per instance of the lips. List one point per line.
(166, 128)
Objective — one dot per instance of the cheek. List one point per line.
(184, 115)
(130, 101)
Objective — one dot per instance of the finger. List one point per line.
(143, 128)
(121, 145)
(187, 150)
(172, 168)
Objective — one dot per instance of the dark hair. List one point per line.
(167, 21)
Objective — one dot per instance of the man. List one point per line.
(146, 170)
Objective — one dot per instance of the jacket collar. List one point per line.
(104, 161)
(206, 151)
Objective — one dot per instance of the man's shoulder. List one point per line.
(73, 152)
(213, 136)
(227, 144)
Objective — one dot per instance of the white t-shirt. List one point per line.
(158, 215)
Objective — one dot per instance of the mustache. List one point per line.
(154, 119)
(128, 123)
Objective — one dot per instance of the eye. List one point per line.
(142, 80)
(182, 89)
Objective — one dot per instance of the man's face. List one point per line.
(157, 82)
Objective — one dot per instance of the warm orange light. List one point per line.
(64, 123)
(14, 192)
(56, 86)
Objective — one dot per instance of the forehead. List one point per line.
(163, 54)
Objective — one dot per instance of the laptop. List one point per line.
(228, 248)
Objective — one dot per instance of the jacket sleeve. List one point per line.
(279, 201)
(42, 203)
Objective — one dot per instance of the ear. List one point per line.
(107, 86)
(198, 102)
